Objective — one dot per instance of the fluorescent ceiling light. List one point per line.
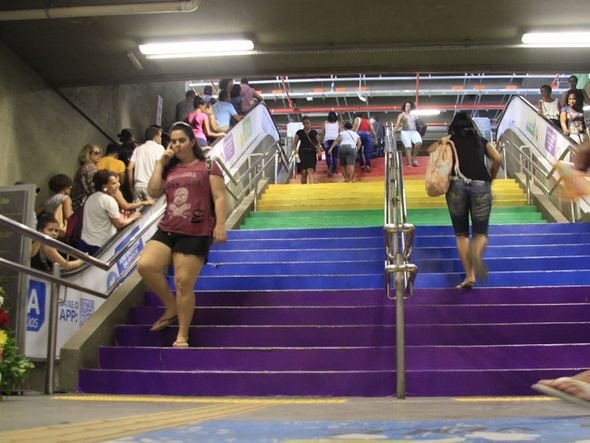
(580, 39)
(196, 48)
(425, 112)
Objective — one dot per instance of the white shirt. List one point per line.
(331, 130)
(144, 158)
(349, 138)
(97, 227)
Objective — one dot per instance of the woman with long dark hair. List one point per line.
(470, 195)
(185, 233)
(572, 118)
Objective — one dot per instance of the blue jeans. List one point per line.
(465, 198)
(367, 142)
(331, 159)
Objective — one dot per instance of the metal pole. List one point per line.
(52, 333)
(400, 339)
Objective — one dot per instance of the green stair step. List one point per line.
(323, 220)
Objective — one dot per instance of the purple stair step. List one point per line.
(364, 315)
(351, 384)
(193, 383)
(345, 359)
(481, 382)
(572, 294)
(359, 335)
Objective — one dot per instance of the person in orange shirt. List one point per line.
(111, 162)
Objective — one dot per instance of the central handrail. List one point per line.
(399, 236)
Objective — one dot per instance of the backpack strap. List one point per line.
(457, 166)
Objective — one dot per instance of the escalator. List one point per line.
(531, 145)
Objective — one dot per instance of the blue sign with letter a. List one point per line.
(36, 305)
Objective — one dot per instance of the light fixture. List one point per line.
(586, 108)
(196, 48)
(567, 39)
(134, 60)
(425, 112)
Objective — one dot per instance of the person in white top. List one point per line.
(143, 161)
(102, 217)
(332, 128)
(548, 106)
(349, 143)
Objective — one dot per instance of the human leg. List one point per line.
(367, 143)
(457, 203)
(480, 195)
(151, 265)
(464, 250)
(304, 176)
(311, 176)
(415, 152)
(186, 270)
(407, 142)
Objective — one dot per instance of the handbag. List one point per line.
(421, 127)
(440, 167)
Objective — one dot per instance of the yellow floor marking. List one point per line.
(219, 400)
(107, 429)
(506, 399)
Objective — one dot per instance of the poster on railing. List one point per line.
(244, 137)
(524, 119)
(76, 307)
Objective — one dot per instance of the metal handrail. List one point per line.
(530, 167)
(17, 267)
(399, 237)
(46, 240)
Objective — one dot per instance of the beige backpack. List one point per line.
(440, 166)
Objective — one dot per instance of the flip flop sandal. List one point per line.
(162, 323)
(553, 392)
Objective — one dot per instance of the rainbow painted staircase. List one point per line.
(293, 304)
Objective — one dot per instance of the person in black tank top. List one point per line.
(470, 196)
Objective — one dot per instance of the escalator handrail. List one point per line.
(571, 143)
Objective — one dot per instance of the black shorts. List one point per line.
(185, 244)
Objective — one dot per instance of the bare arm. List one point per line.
(495, 157)
(67, 207)
(563, 121)
(130, 177)
(334, 143)
(156, 184)
(209, 131)
(121, 222)
(218, 191)
(356, 123)
(54, 256)
(398, 123)
(214, 125)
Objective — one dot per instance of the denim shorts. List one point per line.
(465, 198)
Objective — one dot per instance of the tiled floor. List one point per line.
(446, 420)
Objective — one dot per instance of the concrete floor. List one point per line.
(106, 418)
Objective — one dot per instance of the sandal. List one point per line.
(465, 285)
(162, 323)
(180, 344)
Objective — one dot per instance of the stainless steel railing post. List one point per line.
(52, 332)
